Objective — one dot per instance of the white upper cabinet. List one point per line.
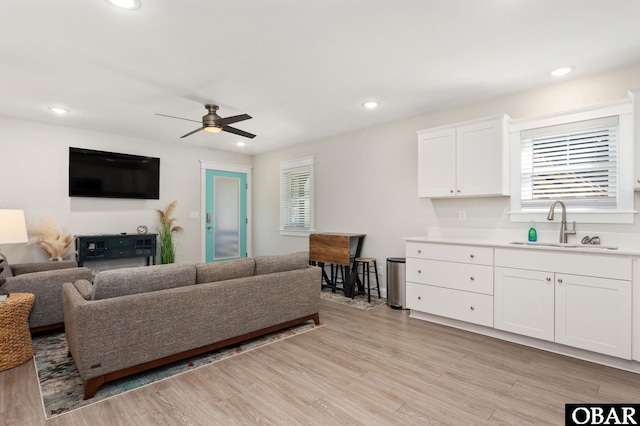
(468, 159)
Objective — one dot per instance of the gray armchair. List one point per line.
(44, 279)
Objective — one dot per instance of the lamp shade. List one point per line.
(13, 228)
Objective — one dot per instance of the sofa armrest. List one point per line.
(75, 309)
(28, 268)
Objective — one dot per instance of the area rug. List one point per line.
(61, 386)
(359, 301)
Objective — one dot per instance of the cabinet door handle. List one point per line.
(458, 191)
(548, 279)
(472, 308)
(419, 297)
(419, 271)
(472, 256)
(451, 191)
(559, 280)
(472, 279)
(419, 251)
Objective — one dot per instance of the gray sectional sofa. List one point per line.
(130, 320)
(44, 279)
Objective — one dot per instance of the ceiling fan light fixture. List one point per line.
(212, 129)
(125, 4)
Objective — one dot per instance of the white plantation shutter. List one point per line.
(296, 195)
(576, 163)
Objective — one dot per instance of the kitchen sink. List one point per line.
(564, 245)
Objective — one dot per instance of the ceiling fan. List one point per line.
(213, 123)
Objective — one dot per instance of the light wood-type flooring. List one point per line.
(376, 367)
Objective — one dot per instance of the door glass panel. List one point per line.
(226, 206)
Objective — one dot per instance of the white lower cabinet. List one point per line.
(524, 302)
(586, 312)
(580, 300)
(461, 305)
(594, 314)
(452, 281)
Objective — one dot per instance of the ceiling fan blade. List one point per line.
(238, 132)
(233, 119)
(190, 133)
(179, 118)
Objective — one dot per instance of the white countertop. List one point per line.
(574, 247)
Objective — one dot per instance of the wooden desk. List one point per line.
(333, 247)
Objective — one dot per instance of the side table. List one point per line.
(16, 346)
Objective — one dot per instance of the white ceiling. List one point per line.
(300, 68)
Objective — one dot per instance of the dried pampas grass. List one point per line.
(52, 239)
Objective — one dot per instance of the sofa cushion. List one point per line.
(220, 271)
(6, 272)
(281, 263)
(85, 288)
(121, 282)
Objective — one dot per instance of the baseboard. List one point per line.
(609, 361)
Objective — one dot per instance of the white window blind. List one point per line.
(296, 196)
(575, 162)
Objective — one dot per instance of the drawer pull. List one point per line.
(472, 256)
(472, 308)
(451, 191)
(419, 271)
(472, 279)
(419, 297)
(419, 251)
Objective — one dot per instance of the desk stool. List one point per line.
(340, 268)
(366, 279)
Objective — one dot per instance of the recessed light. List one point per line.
(59, 110)
(125, 4)
(370, 104)
(240, 143)
(561, 71)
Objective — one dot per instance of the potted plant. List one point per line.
(166, 231)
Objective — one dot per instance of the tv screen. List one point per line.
(112, 175)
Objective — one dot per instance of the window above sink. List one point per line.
(581, 157)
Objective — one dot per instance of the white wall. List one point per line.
(366, 181)
(34, 177)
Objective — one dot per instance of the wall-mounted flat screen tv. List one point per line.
(113, 175)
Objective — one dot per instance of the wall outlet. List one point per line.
(462, 215)
(194, 215)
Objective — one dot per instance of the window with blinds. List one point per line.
(576, 163)
(296, 196)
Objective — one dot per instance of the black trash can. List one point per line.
(396, 297)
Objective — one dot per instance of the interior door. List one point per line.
(226, 215)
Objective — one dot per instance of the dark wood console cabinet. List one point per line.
(106, 247)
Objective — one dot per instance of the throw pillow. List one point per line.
(282, 263)
(6, 272)
(222, 271)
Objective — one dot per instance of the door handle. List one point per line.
(208, 217)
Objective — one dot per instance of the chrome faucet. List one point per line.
(563, 225)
